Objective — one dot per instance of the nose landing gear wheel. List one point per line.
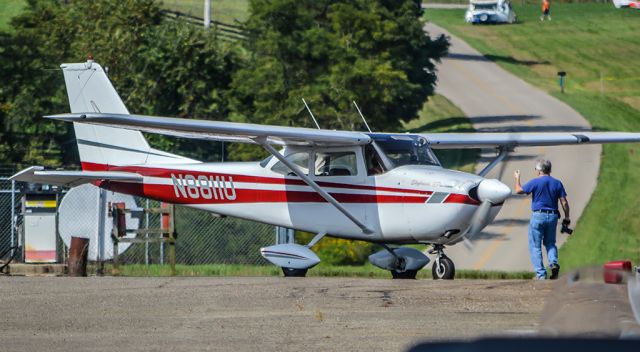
(407, 274)
(443, 269)
(289, 272)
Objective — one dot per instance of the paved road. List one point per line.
(258, 314)
(497, 101)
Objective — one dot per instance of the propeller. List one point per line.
(489, 193)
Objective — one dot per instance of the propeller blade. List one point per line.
(489, 192)
(468, 243)
(479, 220)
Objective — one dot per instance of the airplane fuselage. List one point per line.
(408, 204)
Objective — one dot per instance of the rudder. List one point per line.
(90, 90)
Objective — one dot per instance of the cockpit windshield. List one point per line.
(485, 6)
(406, 150)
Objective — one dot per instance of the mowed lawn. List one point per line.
(227, 11)
(599, 48)
(8, 9)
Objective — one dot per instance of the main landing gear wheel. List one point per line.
(290, 272)
(443, 268)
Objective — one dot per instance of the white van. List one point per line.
(626, 3)
(490, 11)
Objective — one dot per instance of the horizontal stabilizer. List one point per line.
(37, 174)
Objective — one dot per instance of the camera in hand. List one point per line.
(565, 227)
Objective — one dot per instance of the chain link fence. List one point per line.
(202, 238)
(7, 228)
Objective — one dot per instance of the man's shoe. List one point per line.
(555, 270)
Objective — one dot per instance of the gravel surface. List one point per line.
(265, 314)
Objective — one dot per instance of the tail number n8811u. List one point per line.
(212, 187)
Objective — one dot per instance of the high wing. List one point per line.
(281, 135)
(36, 174)
(220, 130)
(511, 140)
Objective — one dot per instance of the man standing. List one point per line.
(546, 191)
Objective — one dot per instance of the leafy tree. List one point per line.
(332, 52)
(159, 67)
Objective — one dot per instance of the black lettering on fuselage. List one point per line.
(188, 186)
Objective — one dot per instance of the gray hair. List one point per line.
(544, 166)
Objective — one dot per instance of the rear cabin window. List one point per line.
(336, 164)
(301, 160)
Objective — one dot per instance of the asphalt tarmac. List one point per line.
(258, 314)
(497, 101)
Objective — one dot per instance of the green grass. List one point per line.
(322, 270)
(227, 11)
(589, 42)
(8, 10)
(440, 115)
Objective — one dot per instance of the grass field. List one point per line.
(365, 271)
(596, 45)
(227, 11)
(8, 9)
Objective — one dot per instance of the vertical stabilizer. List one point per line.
(89, 90)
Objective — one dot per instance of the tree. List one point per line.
(159, 67)
(332, 52)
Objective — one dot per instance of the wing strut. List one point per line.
(503, 151)
(324, 194)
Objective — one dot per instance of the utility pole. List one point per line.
(207, 13)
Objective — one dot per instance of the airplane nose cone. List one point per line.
(493, 191)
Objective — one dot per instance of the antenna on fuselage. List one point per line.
(310, 113)
(363, 119)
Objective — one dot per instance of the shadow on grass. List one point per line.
(496, 58)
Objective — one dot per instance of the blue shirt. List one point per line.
(546, 191)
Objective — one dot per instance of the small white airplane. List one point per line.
(384, 188)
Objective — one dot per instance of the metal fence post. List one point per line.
(146, 235)
(13, 216)
(102, 211)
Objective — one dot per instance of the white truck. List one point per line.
(490, 11)
(635, 4)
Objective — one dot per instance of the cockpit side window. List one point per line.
(300, 159)
(372, 159)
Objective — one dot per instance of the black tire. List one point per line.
(447, 270)
(407, 274)
(289, 272)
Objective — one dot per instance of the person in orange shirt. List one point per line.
(545, 10)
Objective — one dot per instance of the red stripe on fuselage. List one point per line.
(461, 199)
(167, 193)
(166, 173)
